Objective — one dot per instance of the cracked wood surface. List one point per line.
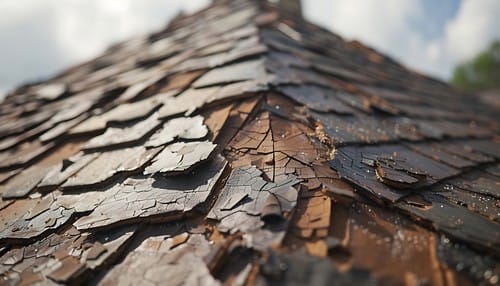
(243, 146)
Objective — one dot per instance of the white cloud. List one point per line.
(88, 27)
(477, 23)
(388, 25)
(384, 25)
(374, 21)
(41, 37)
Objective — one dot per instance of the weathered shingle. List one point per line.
(242, 145)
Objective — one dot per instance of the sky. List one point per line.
(39, 38)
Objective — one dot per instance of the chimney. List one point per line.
(292, 6)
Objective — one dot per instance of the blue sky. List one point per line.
(430, 36)
(40, 37)
(439, 12)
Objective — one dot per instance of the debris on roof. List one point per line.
(242, 145)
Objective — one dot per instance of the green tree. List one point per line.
(481, 73)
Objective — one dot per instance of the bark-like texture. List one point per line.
(244, 146)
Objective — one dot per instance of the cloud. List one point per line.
(476, 25)
(42, 37)
(400, 28)
(88, 27)
(384, 25)
(374, 21)
(28, 46)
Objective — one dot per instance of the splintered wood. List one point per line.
(242, 145)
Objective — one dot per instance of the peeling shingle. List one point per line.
(67, 168)
(180, 157)
(108, 164)
(337, 156)
(181, 128)
(170, 197)
(115, 137)
(250, 70)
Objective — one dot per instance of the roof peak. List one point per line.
(291, 6)
(239, 139)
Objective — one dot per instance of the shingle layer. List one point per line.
(242, 145)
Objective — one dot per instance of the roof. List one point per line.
(242, 145)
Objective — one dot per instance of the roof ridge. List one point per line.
(194, 151)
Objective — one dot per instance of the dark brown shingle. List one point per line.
(242, 145)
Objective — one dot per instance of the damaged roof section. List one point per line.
(65, 258)
(147, 197)
(180, 157)
(242, 145)
(247, 202)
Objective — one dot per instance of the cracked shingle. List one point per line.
(180, 157)
(179, 128)
(170, 197)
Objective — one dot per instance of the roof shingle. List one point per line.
(243, 145)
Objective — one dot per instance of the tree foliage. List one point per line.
(481, 73)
